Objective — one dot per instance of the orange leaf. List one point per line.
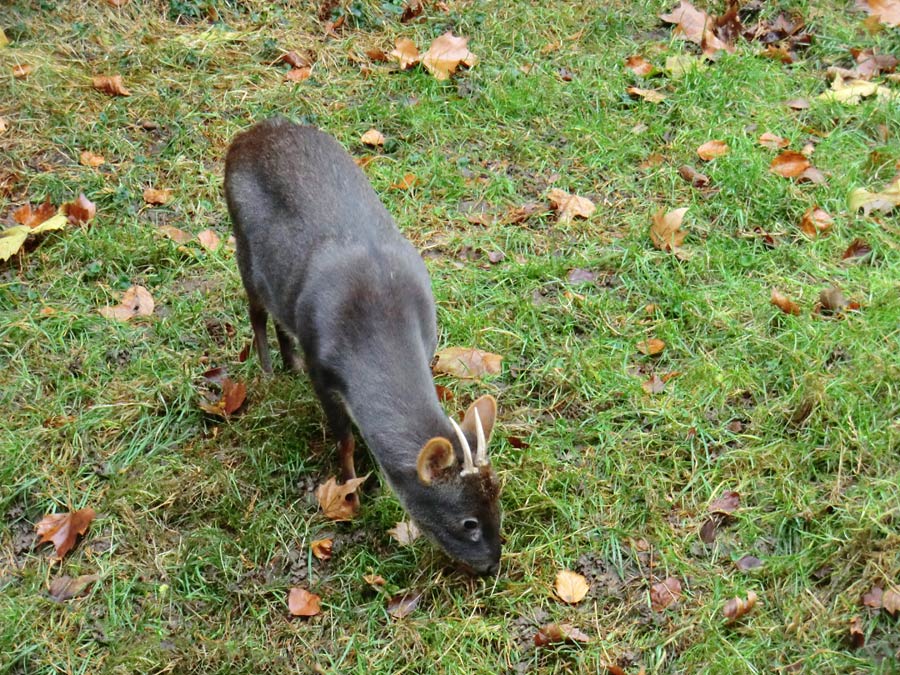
(295, 60)
(665, 232)
(406, 182)
(664, 593)
(571, 587)
(63, 529)
(25, 216)
(303, 603)
(735, 608)
(81, 211)
(154, 196)
(209, 240)
(321, 548)
(784, 303)
(768, 140)
(815, 221)
(558, 632)
(692, 176)
(654, 385)
(570, 206)
(298, 74)
(649, 95)
(173, 233)
(696, 26)
(651, 347)
(338, 501)
(22, 70)
(446, 54)
(465, 363)
(136, 301)
(885, 11)
(88, 158)
(858, 248)
(110, 84)
(789, 164)
(405, 53)
(639, 65)
(712, 149)
(890, 601)
(372, 137)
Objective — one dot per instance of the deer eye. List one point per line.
(470, 524)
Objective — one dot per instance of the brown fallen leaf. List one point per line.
(570, 206)
(22, 70)
(173, 233)
(405, 183)
(797, 104)
(209, 240)
(303, 603)
(110, 84)
(650, 347)
(654, 385)
(579, 275)
(857, 635)
(339, 501)
(784, 303)
(136, 301)
(638, 65)
(858, 248)
(692, 176)
(373, 138)
(402, 605)
(789, 164)
(405, 53)
(63, 529)
(228, 400)
(375, 580)
(665, 232)
(748, 562)
(812, 175)
(649, 95)
(710, 528)
(322, 548)
(727, 503)
(696, 26)
(446, 54)
(412, 9)
(873, 598)
(570, 587)
(65, 587)
(466, 363)
(769, 140)
(890, 601)
(295, 59)
(832, 300)
(298, 74)
(88, 158)
(664, 593)
(157, 197)
(815, 221)
(712, 149)
(735, 608)
(81, 211)
(558, 632)
(883, 201)
(25, 215)
(405, 532)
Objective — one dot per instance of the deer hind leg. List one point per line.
(289, 354)
(258, 319)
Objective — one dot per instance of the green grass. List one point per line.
(203, 526)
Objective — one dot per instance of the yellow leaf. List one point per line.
(571, 587)
(56, 222)
(337, 501)
(11, 240)
(445, 55)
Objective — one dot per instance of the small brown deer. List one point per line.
(319, 252)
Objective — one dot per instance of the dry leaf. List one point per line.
(832, 300)
(405, 532)
(296, 60)
(405, 183)
(375, 580)
(173, 233)
(298, 74)
(769, 140)
(797, 104)
(735, 608)
(873, 598)
(579, 275)
(339, 502)
(372, 137)
(784, 303)
(110, 84)
(853, 91)
(681, 65)
(570, 587)
(890, 601)
(650, 347)
(22, 70)
(154, 196)
(885, 11)
(446, 54)
(4, 125)
(692, 176)
(649, 95)
(65, 587)
(639, 65)
(696, 26)
(857, 634)
(664, 594)
(24, 215)
(789, 164)
(570, 206)
(883, 201)
(303, 603)
(412, 9)
(654, 385)
(858, 248)
(727, 503)
(88, 158)
(405, 53)
(402, 605)
(815, 221)
(136, 301)
(466, 363)
(747, 563)
(321, 548)
(81, 211)
(712, 149)
(710, 529)
(230, 398)
(558, 632)
(209, 240)
(63, 529)
(665, 232)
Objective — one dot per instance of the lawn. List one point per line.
(204, 524)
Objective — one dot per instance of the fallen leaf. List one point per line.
(654, 385)
(372, 137)
(570, 587)
(886, 11)
(712, 149)
(649, 95)
(81, 211)
(558, 632)
(65, 587)
(303, 603)
(4, 125)
(873, 598)
(445, 55)
(789, 164)
(769, 140)
(402, 605)
(405, 532)
(136, 301)
(858, 248)
(815, 221)
(665, 232)
(110, 84)
(298, 74)
(173, 233)
(466, 363)
(230, 398)
(727, 503)
(154, 196)
(664, 593)
(295, 59)
(25, 215)
(520, 214)
(696, 26)
(338, 502)
(22, 70)
(883, 201)
(209, 240)
(784, 303)
(579, 275)
(853, 91)
(797, 104)
(405, 183)
(692, 176)
(832, 300)
(88, 158)
(375, 580)
(747, 563)
(682, 64)
(570, 206)
(321, 548)
(857, 635)
(638, 65)
(11, 240)
(63, 529)
(650, 347)
(890, 601)
(412, 9)
(735, 608)
(710, 529)
(405, 53)
(4, 41)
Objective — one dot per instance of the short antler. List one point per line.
(481, 458)
(468, 464)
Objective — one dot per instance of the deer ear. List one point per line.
(487, 412)
(435, 457)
